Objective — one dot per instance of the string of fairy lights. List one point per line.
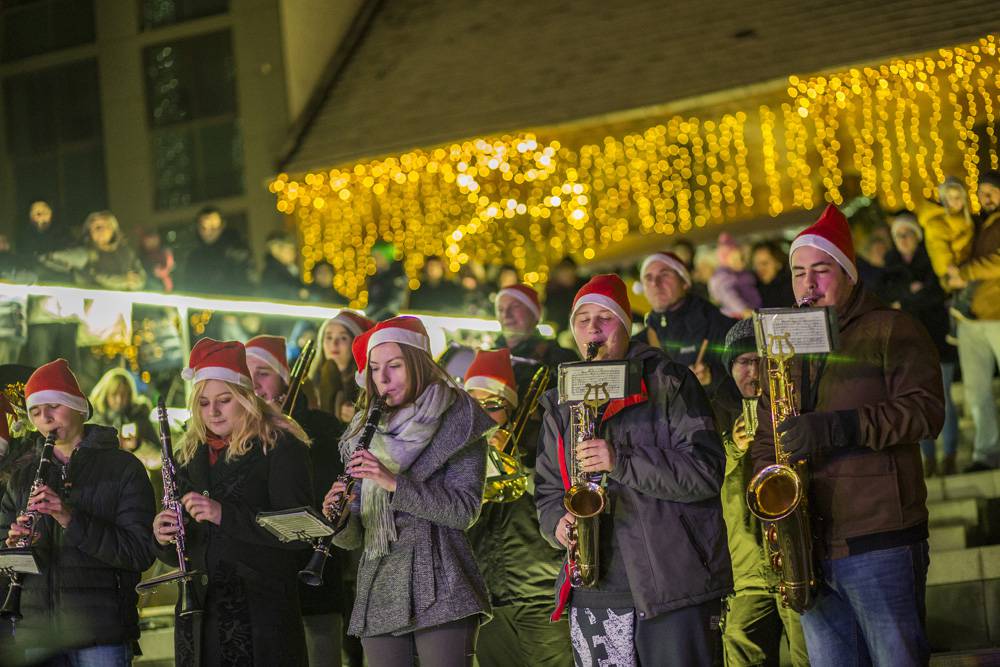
(893, 130)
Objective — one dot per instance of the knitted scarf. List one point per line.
(399, 440)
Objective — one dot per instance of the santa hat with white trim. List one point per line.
(218, 360)
(831, 234)
(608, 291)
(404, 330)
(492, 371)
(355, 323)
(55, 383)
(270, 350)
(671, 261)
(526, 295)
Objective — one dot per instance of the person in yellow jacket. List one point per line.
(948, 227)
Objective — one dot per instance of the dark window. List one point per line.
(55, 139)
(197, 146)
(156, 13)
(31, 27)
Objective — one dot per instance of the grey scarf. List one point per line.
(399, 440)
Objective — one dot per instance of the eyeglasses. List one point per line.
(492, 404)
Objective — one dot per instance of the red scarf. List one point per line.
(216, 446)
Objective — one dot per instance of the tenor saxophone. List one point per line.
(777, 494)
(586, 498)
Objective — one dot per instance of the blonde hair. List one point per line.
(112, 222)
(110, 381)
(260, 421)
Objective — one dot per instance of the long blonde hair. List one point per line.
(261, 422)
(108, 383)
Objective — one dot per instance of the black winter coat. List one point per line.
(681, 331)
(85, 594)
(251, 602)
(926, 304)
(778, 293)
(665, 524)
(220, 268)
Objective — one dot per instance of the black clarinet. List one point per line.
(182, 576)
(339, 512)
(11, 609)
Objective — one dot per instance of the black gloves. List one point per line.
(815, 432)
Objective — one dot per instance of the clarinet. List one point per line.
(183, 575)
(339, 513)
(11, 609)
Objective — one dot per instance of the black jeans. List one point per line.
(688, 636)
(446, 645)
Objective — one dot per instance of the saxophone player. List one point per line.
(755, 619)
(663, 562)
(517, 563)
(93, 542)
(861, 417)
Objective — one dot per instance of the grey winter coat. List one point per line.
(430, 574)
(663, 492)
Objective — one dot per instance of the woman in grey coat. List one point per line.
(419, 590)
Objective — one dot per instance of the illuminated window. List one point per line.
(54, 139)
(157, 13)
(31, 27)
(197, 149)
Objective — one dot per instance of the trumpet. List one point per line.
(182, 576)
(338, 514)
(11, 609)
(586, 498)
(512, 481)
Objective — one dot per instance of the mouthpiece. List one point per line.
(807, 301)
(592, 348)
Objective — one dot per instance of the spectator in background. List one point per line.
(437, 293)
(387, 288)
(871, 256)
(117, 403)
(774, 280)
(321, 289)
(910, 284)
(281, 278)
(705, 263)
(219, 262)
(948, 227)
(157, 260)
(476, 300)
(686, 253)
(41, 235)
(507, 276)
(732, 286)
(13, 309)
(564, 283)
(111, 263)
(979, 338)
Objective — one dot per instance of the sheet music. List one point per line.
(302, 524)
(20, 560)
(807, 329)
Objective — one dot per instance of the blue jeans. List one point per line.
(949, 434)
(870, 610)
(978, 351)
(108, 655)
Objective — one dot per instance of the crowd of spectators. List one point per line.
(937, 259)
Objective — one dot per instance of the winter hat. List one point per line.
(991, 177)
(491, 371)
(672, 261)
(608, 291)
(832, 235)
(739, 340)
(270, 350)
(355, 323)
(218, 360)
(909, 221)
(55, 383)
(405, 330)
(526, 295)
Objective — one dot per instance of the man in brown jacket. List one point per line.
(979, 338)
(863, 410)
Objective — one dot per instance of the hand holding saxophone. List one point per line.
(46, 501)
(564, 528)
(741, 437)
(597, 455)
(813, 432)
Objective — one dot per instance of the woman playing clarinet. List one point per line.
(419, 592)
(239, 456)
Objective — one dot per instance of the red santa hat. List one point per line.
(55, 383)
(404, 330)
(672, 262)
(355, 323)
(218, 360)
(526, 295)
(608, 291)
(270, 350)
(491, 371)
(832, 235)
